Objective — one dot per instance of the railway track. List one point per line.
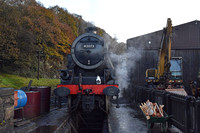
(65, 126)
(79, 122)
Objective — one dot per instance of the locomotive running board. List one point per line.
(96, 89)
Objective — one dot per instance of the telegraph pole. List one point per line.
(40, 54)
(38, 76)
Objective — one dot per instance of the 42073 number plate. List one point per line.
(88, 46)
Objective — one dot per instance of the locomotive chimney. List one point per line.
(91, 30)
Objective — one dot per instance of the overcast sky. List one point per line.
(126, 19)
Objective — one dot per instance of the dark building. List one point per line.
(185, 44)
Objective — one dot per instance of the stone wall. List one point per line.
(6, 110)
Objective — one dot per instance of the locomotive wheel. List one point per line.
(107, 103)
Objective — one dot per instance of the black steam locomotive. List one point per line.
(88, 82)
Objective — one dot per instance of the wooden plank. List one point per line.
(177, 91)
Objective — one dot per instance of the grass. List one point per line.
(16, 82)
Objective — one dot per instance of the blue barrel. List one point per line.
(20, 98)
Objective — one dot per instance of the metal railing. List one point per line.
(184, 111)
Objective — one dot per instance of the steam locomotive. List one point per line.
(88, 82)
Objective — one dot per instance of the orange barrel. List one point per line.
(32, 108)
(45, 94)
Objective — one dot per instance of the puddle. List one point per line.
(124, 120)
(45, 129)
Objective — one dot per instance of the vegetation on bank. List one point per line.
(17, 82)
(27, 27)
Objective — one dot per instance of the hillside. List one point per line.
(28, 29)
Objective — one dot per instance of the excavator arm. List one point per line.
(163, 73)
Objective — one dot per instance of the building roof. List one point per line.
(184, 36)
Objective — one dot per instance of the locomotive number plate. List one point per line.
(88, 46)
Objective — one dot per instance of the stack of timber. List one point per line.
(152, 109)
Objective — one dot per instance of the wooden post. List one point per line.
(197, 116)
(187, 115)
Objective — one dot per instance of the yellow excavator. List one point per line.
(168, 74)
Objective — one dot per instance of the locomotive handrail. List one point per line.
(80, 81)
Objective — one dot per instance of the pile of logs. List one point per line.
(152, 109)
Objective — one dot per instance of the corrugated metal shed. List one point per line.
(184, 36)
(185, 44)
(148, 41)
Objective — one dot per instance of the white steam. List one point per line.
(125, 64)
(124, 60)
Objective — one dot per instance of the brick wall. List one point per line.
(6, 110)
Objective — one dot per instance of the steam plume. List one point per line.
(124, 61)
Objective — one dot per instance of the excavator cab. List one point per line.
(176, 77)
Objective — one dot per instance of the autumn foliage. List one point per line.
(27, 27)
